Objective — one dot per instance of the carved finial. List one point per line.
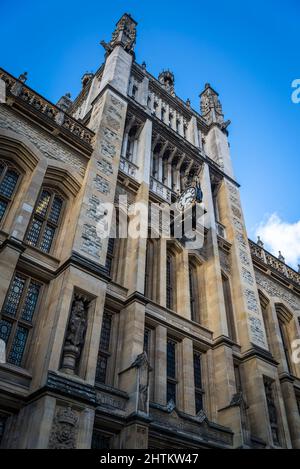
(166, 78)
(124, 35)
(211, 108)
(280, 257)
(259, 242)
(86, 78)
(23, 77)
(144, 66)
(65, 102)
(188, 103)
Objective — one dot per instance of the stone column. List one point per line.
(132, 317)
(186, 387)
(216, 320)
(192, 132)
(224, 390)
(160, 391)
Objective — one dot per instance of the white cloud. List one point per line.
(279, 235)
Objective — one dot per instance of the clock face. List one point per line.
(186, 199)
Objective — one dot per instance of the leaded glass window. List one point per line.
(45, 220)
(198, 382)
(171, 370)
(17, 316)
(110, 255)
(100, 441)
(170, 280)
(9, 177)
(104, 348)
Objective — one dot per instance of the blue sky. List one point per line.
(248, 50)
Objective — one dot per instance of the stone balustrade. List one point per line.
(128, 167)
(50, 111)
(272, 261)
(160, 189)
(221, 230)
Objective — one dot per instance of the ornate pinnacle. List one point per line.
(280, 257)
(124, 35)
(259, 242)
(23, 77)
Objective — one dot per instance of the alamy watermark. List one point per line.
(154, 220)
(296, 93)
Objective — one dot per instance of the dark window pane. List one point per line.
(2, 426)
(197, 370)
(171, 392)
(14, 296)
(18, 346)
(55, 209)
(198, 401)
(30, 301)
(34, 232)
(3, 205)
(100, 441)
(169, 283)
(105, 332)
(101, 368)
(47, 239)
(5, 330)
(8, 183)
(147, 341)
(43, 203)
(171, 359)
(110, 246)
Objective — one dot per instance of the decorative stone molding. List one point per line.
(102, 185)
(64, 429)
(92, 243)
(275, 290)
(19, 90)
(45, 143)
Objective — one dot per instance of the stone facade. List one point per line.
(134, 342)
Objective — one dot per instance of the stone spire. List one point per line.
(211, 108)
(166, 78)
(124, 35)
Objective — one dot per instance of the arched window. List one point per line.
(170, 281)
(17, 316)
(9, 177)
(194, 292)
(228, 307)
(45, 220)
(284, 322)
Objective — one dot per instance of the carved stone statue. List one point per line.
(272, 410)
(142, 365)
(75, 334)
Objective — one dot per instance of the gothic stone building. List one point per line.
(134, 342)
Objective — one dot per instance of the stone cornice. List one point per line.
(50, 117)
(275, 268)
